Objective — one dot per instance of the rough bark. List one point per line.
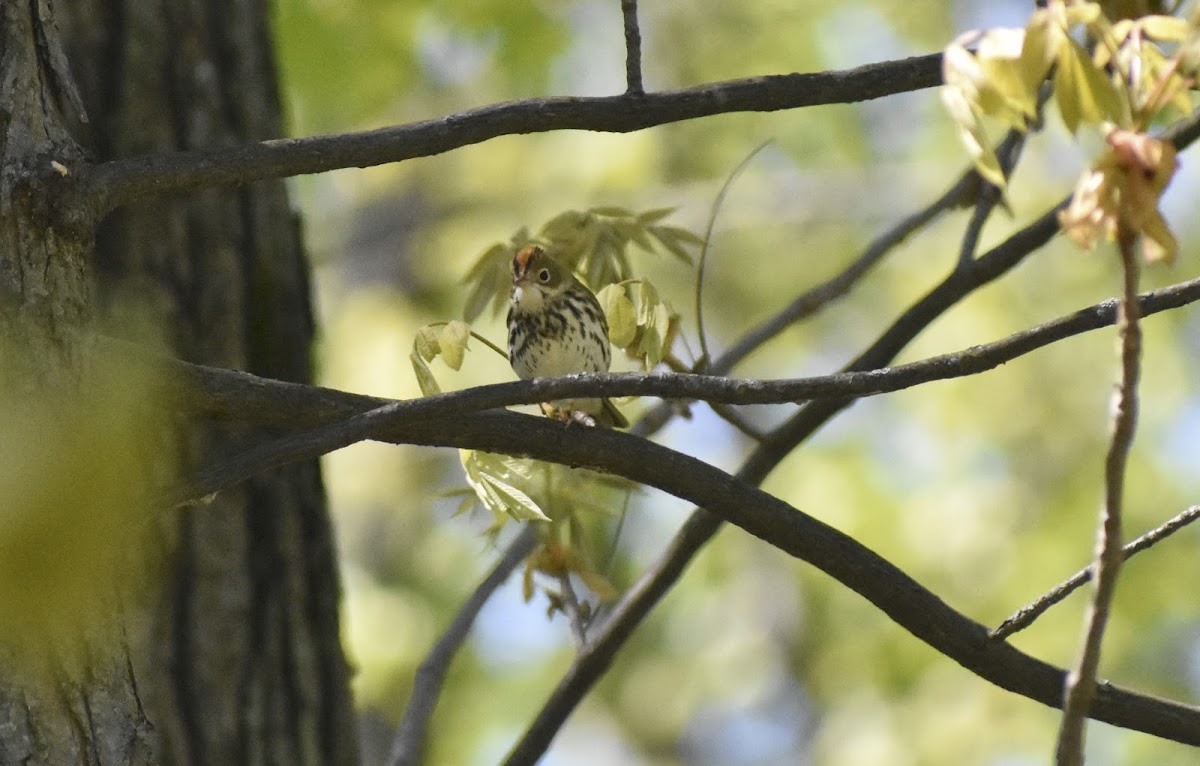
(44, 295)
(237, 659)
(90, 714)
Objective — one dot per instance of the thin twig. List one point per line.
(633, 48)
(573, 609)
(962, 193)
(989, 196)
(1081, 682)
(1026, 615)
(408, 747)
(734, 418)
(702, 261)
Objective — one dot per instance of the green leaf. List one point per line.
(1084, 93)
(490, 281)
(973, 136)
(647, 300)
(671, 239)
(1166, 28)
(516, 503)
(655, 215)
(612, 212)
(1002, 90)
(453, 341)
(681, 234)
(634, 232)
(465, 505)
(1039, 50)
(565, 226)
(621, 315)
(493, 477)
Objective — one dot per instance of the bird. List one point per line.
(557, 327)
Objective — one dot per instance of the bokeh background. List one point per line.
(984, 489)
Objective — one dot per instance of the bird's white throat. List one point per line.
(527, 299)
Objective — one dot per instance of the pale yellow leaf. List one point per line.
(428, 383)
(1165, 28)
(1039, 49)
(426, 342)
(515, 502)
(1084, 92)
(599, 585)
(453, 341)
(647, 300)
(621, 315)
(1158, 242)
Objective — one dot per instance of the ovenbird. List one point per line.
(556, 327)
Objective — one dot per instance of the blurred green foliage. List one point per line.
(79, 469)
(985, 489)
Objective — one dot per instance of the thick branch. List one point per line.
(675, 473)
(290, 406)
(702, 525)
(120, 182)
(891, 590)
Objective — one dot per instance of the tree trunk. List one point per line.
(93, 714)
(238, 658)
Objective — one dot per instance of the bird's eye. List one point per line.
(544, 276)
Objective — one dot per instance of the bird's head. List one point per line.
(536, 278)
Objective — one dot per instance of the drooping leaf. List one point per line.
(974, 139)
(428, 383)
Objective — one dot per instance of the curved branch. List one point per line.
(896, 594)
(902, 599)
(111, 184)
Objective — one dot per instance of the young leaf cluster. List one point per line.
(645, 331)
(1121, 83)
(594, 243)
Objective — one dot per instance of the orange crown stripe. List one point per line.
(523, 255)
